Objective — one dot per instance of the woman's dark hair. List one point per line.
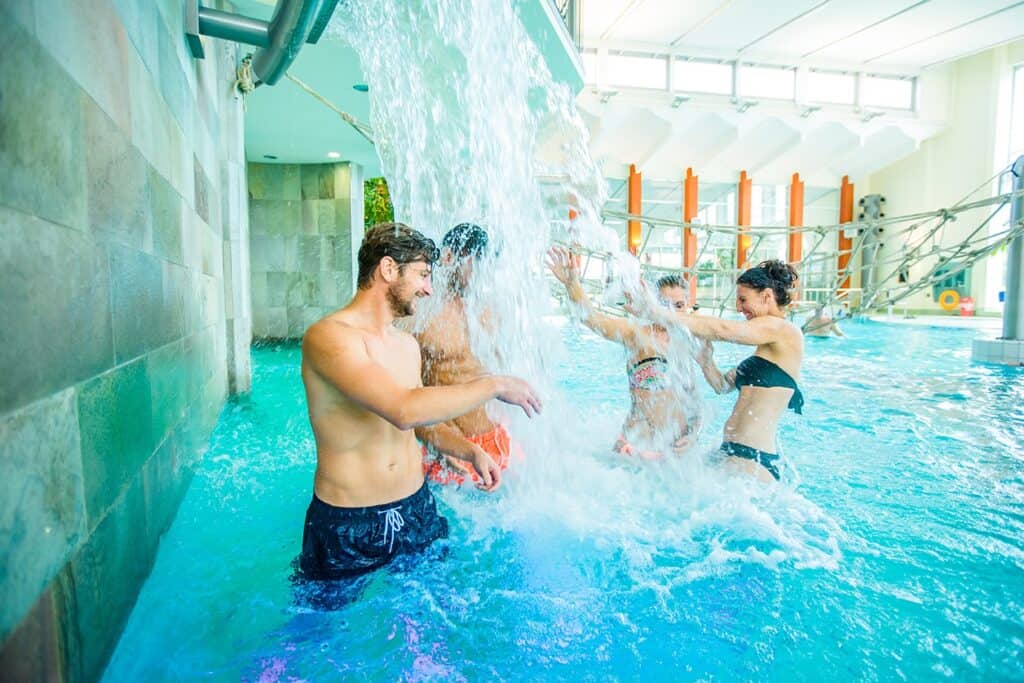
(775, 275)
(671, 281)
(396, 240)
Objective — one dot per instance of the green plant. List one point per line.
(377, 206)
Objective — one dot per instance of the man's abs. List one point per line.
(369, 477)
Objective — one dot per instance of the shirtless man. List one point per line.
(821, 324)
(362, 378)
(447, 359)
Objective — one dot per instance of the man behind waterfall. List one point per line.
(362, 378)
(448, 360)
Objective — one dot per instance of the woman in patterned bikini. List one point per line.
(657, 421)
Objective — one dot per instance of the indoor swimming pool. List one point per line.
(892, 550)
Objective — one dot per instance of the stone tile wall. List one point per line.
(306, 226)
(125, 300)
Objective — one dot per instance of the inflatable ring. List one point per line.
(949, 300)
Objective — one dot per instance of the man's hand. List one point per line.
(517, 392)
(486, 469)
(562, 265)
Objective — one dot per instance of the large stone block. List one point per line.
(106, 575)
(168, 388)
(115, 415)
(260, 322)
(177, 291)
(211, 297)
(258, 282)
(32, 652)
(56, 301)
(327, 182)
(310, 217)
(202, 190)
(42, 506)
(266, 253)
(327, 216)
(166, 210)
(310, 174)
(274, 182)
(164, 483)
(42, 159)
(303, 289)
(275, 217)
(119, 191)
(172, 82)
(97, 59)
(151, 124)
(277, 322)
(139, 21)
(277, 289)
(296, 322)
(309, 254)
(136, 283)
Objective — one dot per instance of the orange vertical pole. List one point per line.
(689, 237)
(633, 204)
(796, 220)
(743, 218)
(845, 244)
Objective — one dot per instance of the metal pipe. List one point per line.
(233, 27)
(294, 22)
(289, 28)
(1013, 309)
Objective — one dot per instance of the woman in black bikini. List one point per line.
(767, 379)
(657, 420)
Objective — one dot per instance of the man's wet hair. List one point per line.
(466, 239)
(397, 240)
(671, 281)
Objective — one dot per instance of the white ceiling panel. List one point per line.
(887, 33)
(598, 15)
(742, 22)
(662, 21)
(828, 24)
(976, 36)
(922, 22)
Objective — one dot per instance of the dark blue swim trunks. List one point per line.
(341, 542)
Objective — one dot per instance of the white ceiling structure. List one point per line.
(718, 135)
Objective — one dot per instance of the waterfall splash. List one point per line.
(471, 127)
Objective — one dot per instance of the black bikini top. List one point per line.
(760, 372)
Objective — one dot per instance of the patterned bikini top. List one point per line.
(649, 374)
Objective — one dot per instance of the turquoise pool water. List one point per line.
(895, 551)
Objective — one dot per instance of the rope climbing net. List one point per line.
(884, 261)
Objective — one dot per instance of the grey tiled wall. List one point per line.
(302, 243)
(125, 301)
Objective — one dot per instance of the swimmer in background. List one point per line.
(655, 408)
(767, 380)
(821, 324)
(447, 360)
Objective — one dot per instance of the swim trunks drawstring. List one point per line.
(393, 523)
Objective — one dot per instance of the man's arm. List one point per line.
(340, 359)
(448, 441)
